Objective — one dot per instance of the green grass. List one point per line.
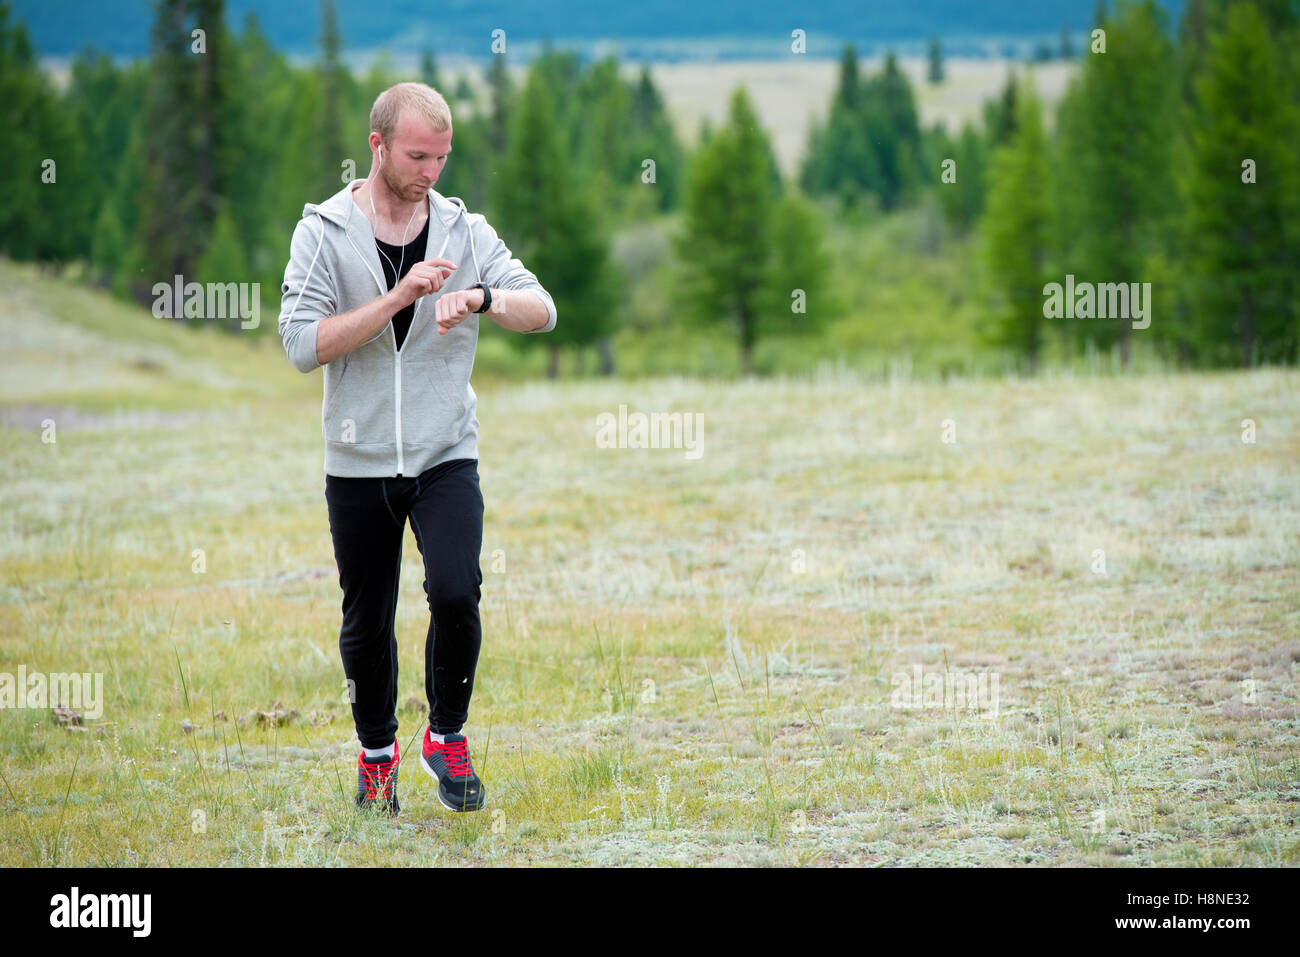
(684, 662)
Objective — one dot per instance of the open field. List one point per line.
(686, 660)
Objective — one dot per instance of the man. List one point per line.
(394, 321)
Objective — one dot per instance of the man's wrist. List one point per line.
(393, 301)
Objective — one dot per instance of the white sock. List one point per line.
(436, 738)
(379, 752)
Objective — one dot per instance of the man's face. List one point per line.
(418, 154)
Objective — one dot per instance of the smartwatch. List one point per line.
(487, 296)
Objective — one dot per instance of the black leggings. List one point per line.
(367, 520)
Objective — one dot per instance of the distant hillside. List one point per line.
(652, 29)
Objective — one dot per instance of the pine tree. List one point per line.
(20, 161)
(893, 127)
(871, 142)
(1000, 114)
(304, 175)
(551, 223)
(726, 245)
(839, 158)
(1192, 43)
(935, 72)
(963, 200)
(45, 211)
(654, 137)
(1242, 234)
(604, 133)
(330, 148)
(63, 208)
(1279, 16)
(1016, 230)
(1127, 125)
(1172, 265)
(1069, 200)
(213, 116)
(171, 227)
(563, 74)
(468, 172)
(502, 94)
(262, 87)
(101, 103)
(185, 142)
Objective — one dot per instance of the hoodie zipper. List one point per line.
(397, 354)
(397, 368)
(397, 393)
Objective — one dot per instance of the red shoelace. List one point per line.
(456, 754)
(376, 776)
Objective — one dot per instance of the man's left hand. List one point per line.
(453, 308)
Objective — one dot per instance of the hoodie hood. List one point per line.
(340, 207)
(342, 210)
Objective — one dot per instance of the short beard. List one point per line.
(394, 188)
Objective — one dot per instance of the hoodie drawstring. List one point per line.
(309, 269)
(478, 273)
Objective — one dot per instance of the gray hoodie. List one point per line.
(387, 412)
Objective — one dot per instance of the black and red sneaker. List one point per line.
(377, 781)
(459, 788)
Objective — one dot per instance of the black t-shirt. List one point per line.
(405, 257)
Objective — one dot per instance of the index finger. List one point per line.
(441, 262)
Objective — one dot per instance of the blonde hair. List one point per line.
(420, 97)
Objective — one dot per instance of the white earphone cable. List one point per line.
(397, 272)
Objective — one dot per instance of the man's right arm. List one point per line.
(339, 335)
(312, 332)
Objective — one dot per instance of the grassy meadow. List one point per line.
(686, 660)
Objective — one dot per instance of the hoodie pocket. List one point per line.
(434, 403)
(362, 404)
(336, 389)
